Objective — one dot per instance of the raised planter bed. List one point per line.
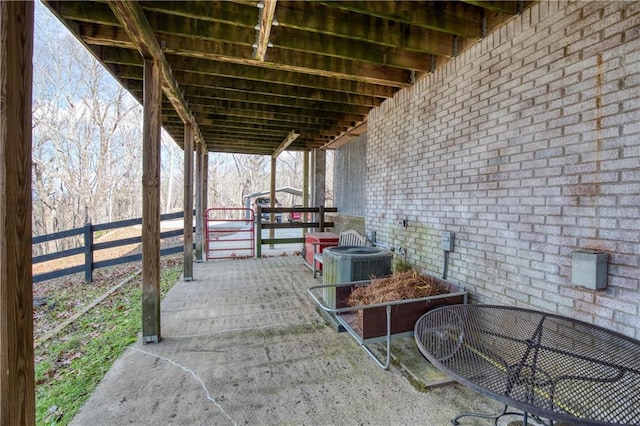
(371, 322)
(382, 322)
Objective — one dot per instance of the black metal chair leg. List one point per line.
(483, 416)
(505, 412)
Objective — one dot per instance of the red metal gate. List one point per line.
(229, 233)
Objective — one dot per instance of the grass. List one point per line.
(70, 365)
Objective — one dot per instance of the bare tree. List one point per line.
(172, 162)
(81, 119)
(252, 174)
(86, 136)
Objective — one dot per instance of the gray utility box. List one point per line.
(344, 264)
(589, 269)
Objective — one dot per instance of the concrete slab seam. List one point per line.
(208, 395)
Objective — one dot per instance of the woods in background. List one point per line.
(87, 146)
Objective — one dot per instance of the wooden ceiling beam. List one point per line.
(217, 11)
(505, 7)
(205, 86)
(331, 61)
(347, 136)
(241, 132)
(340, 68)
(265, 21)
(132, 18)
(393, 26)
(301, 108)
(308, 108)
(317, 18)
(210, 119)
(299, 144)
(450, 17)
(255, 137)
(84, 11)
(106, 35)
(318, 120)
(354, 50)
(243, 108)
(273, 139)
(201, 29)
(266, 114)
(252, 143)
(243, 72)
(292, 136)
(221, 88)
(271, 135)
(232, 147)
(277, 127)
(290, 78)
(279, 60)
(228, 37)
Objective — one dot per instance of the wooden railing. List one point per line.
(88, 248)
(313, 213)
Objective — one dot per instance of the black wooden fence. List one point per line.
(89, 247)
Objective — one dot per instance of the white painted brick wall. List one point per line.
(527, 146)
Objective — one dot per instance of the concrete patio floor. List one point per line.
(243, 344)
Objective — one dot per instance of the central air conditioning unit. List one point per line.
(344, 264)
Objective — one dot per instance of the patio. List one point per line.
(243, 344)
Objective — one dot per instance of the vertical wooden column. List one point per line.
(305, 178)
(17, 397)
(205, 198)
(272, 194)
(305, 185)
(187, 272)
(319, 177)
(205, 179)
(199, 205)
(318, 165)
(151, 202)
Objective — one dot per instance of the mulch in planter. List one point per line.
(401, 286)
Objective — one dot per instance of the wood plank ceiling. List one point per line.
(249, 73)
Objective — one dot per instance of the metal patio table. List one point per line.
(551, 367)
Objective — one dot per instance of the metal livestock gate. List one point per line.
(229, 233)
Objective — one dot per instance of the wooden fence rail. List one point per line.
(89, 248)
(318, 223)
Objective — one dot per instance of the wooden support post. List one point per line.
(258, 235)
(151, 202)
(17, 401)
(205, 179)
(319, 159)
(319, 177)
(200, 214)
(187, 273)
(305, 186)
(321, 219)
(272, 194)
(205, 199)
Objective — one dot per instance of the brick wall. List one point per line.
(527, 146)
(350, 164)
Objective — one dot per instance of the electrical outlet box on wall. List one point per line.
(589, 269)
(446, 240)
